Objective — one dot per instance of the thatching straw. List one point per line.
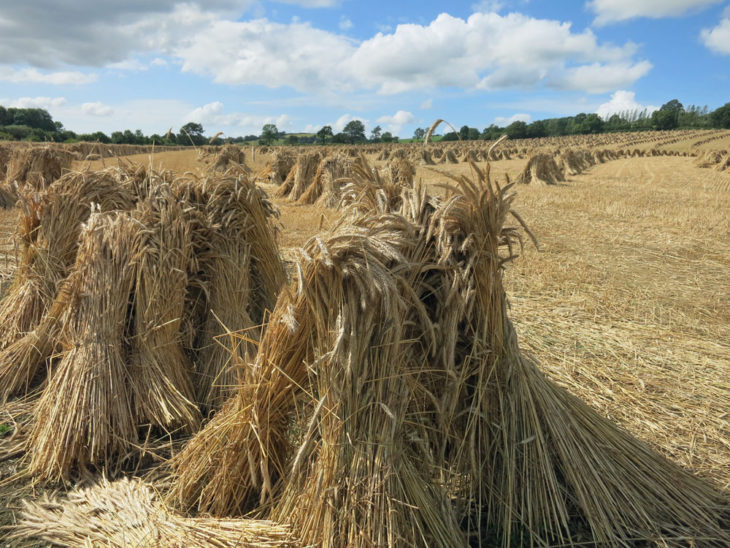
(231, 157)
(390, 403)
(160, 372)
(325, 189)
(541, 169)
(37, 166)
(240, 275)
(49, 229)
(128, 513)
(86, 414)
(301, 176)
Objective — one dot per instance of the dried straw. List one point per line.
(541, 169)
(128, 513)
(160, 372)
(300, 176)
(50, 224)
(390, 403)
(37, 167)
(86, 413)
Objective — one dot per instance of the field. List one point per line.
(625, 301)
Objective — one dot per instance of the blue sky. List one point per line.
(234, 65)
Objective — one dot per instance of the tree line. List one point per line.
(35, 124)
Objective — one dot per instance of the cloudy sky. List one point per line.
(234, 65)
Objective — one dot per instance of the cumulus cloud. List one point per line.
(718, 38)
(622, 101)
(487, 50)
(611, 11)
(214, 114)
(599, 78)
(35, 76)
(96, 33)
(47, 103)
(503, 121)
(395, 123)
(97, 109)
(345, 23)
(270, 54)
(427, 104)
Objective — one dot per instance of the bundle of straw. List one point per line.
(541, 169)
(239, 276)
(389, 403)
(128, 513)
(86, 414)
(37, 167)
(300, 176)
(50, 224)
(325, 189)
(160, 372)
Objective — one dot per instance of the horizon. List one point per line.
(235, 65)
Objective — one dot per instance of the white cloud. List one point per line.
(341, 122)
(622, 101)
(270, 54)
(600, 78)
(427, 104)
(34, 76)
(718, 38)
(158, 62)
(487, 50)
(214, 116)
(311, 3)
(97, 109)
(395, 123)
(132, 65)
(345, 23)
(487, 6)
(51, 34)
(611, 11)
(503, 121)
(47, 103)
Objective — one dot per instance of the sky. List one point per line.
(235, 65)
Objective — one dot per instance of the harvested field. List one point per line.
(625, 305)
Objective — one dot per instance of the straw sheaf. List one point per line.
(37, 167)
(419, 421)
(325, 188)
(541, 169)
(160, 371)
(300, 176)
(238, 276)
(50, 224)
(85, 416)
(128, 513)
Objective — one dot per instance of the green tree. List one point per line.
(375, 134)
(419, 134)
(324, 134)
(667, 117)
(517, 130)
(536, 129)
(355, 131)
(721, 117)
(269, 134)
(192, 131)
(292, 140)
(387, 137)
